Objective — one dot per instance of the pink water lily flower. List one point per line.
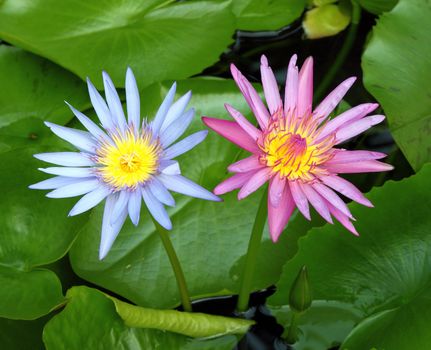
(293, 147)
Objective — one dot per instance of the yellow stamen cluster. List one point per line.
(291, 150)
(129, 160)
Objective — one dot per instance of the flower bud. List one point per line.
(300, 297)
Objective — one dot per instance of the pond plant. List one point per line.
(234, 242)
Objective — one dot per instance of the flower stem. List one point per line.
(292, 333)
(342, 54)
(251, 257)
(175, 263)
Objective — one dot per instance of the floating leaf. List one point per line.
(395, 63)
(378, 6)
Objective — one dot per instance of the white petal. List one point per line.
(54, 182)
(114, 102)
(163, 110)
(110, 232)
(156, 209)
(176, 110)
(66, 158)
(69, 172)
(160, 192)
(80, 139)
(180, 184)
(133, 100)
(90, 200)
(176, 129)
(134, 206)
(75, 189)
(185, 144)
(100, 107)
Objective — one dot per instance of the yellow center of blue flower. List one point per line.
(129, 160)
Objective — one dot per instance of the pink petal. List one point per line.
(300, 198)
(291, 91)
(343, 156)
(350, 115)
(346, 189)
(276, 188)
(246, 164)
(252, 97)
(343, 219)
(331, 101)
(359, 167)
(234, 182)
(279, 216)
(270, 87)
(232, 132)
(350, 130)
(254, 183)
(331, 197)
(316, 201)
(243, 122)
(305, 88)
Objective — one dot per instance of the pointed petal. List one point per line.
(185, 144)
(233, 132)
(65, 158)
(300, 199)
(110, 232)
(246, 164)
(291, 90)
(176, 110)
(160, 192)
(252, 97)
(90, 200)
(255, 182)
(331, 197)
(114, 102)
(120, 206)
(55, 182)
(170, 167)
(359, 167)
(176, 128)
(249, 128)
(348, 131)
(163, 110)
(344, 156)
(316, 201)
(78, 138)
(346, 189)
(156, 209)
(305, 89)
(343, 219)
(324, 109)
(279, 216)
(180, 184)
(348, 116)
(75, 189)
(100, 107)
(134, 206)
(270, 86)
(276, 190)
(232, 183)
(89, 124)
(133, 100)
(69, 171)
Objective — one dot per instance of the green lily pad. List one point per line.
(33, 87)
(394, 64)
(158, 39)
(377, 6)
(256, 15)
(35, 231)
(385, 273)
(74, 328)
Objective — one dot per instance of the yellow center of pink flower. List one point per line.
(290, 148)
(129, 160)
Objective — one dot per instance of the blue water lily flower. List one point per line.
(124, 161)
